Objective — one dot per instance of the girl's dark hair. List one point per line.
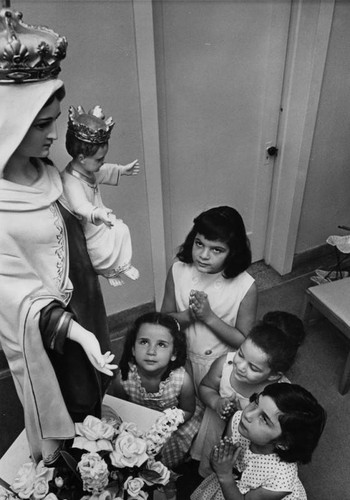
(224, 224)
(155, 318)
(302, 421)
(76, 147)
(279, 335)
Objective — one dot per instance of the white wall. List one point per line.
(326, 201)
(101, 68)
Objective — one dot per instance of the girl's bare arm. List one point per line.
(210, 386)
(187, 402)
(230, 335)
(169, 303)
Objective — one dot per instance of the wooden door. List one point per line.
(220, 67)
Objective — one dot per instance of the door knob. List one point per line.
(272, 151)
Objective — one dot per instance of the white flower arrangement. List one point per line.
(107, 461)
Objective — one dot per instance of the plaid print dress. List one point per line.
(177, 447)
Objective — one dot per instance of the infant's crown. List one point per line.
(28, 53)
(90, 127)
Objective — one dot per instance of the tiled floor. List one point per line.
(266, 277)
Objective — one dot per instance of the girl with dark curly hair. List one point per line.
(208, 289)
(152, 374)
(258, 458)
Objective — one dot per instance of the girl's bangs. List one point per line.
(214, 230)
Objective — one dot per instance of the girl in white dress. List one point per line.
(258, 459)
(208, 289)
(210, 293)
(107, 238)
(264, 357)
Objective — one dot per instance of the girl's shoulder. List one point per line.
(244, 278)
(270, 473)
(182, 273)
(174, 379)
(225, 364)
(284, 477)
(179, 266)
(228, 358)
(176, 376)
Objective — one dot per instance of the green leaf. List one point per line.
(71, 463)
(149, 475)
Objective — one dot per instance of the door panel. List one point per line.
(219, 75)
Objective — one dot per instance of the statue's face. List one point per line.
(93, 163)
(43, 131)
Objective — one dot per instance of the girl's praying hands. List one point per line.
(223, 459)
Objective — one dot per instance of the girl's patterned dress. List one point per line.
(212, 426)
(265, 471)
(177, 447)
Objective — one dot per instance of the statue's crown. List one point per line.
(28, 53)
(90, 127)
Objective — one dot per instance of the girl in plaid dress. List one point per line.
(152, 374)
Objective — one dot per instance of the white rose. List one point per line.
(162, 471)
(23, 484)
(130, 427)
(41, 488)
(93, 435)
(133, 486)
(129, 451)
(43, 472)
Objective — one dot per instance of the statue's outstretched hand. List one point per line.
(102, 362)
(132, 168)
(91, 346)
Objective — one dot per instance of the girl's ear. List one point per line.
(81, 158)
(274, 376)
(173, 357)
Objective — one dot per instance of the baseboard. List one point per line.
(311, 255)
(120, 323)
